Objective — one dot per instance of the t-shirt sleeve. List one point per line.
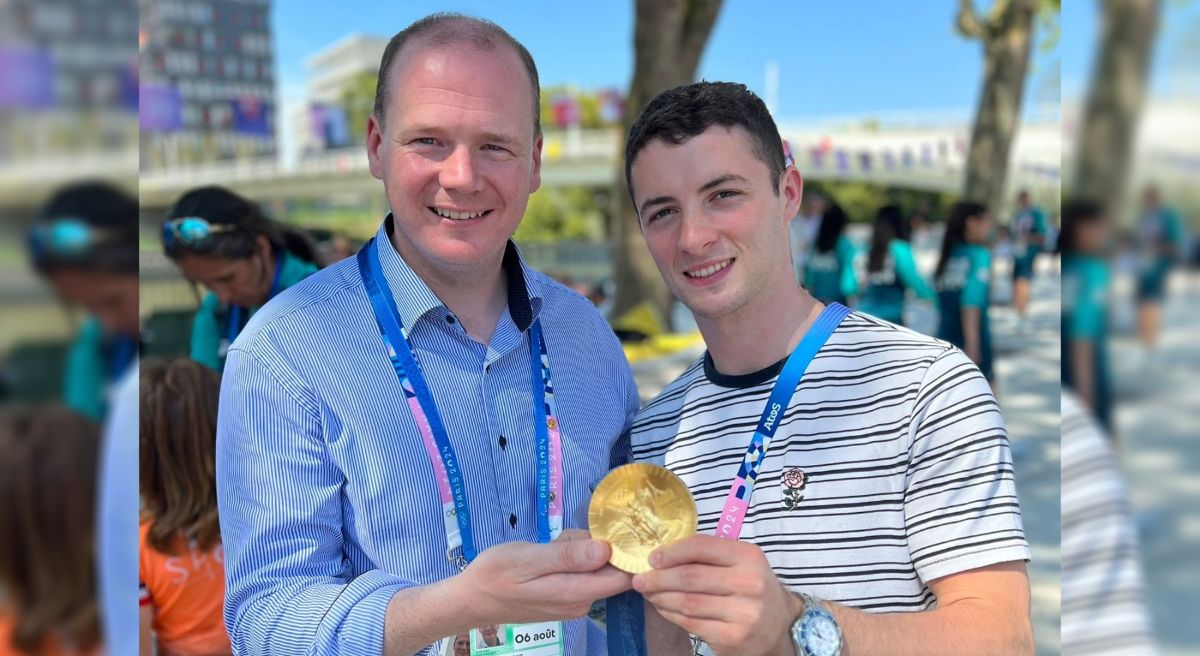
(848, 281)
(906, 268)
(960, 500)
(1087, 319)
(975, 292)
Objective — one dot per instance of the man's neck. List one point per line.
(762, 333)
(476, 296)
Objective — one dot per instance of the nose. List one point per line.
(459, 172)
(695, 234)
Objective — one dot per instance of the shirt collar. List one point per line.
(414, 299)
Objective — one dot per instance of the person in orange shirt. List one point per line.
(48, 604)
(181, 564)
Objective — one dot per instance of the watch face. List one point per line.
(819, 634)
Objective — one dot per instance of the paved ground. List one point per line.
(1159, 442)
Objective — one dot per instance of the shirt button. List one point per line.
(512, 520)
(450, 319)
(503, 442)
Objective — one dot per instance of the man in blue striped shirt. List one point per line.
(338, 528)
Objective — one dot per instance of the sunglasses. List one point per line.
(64, 238)
(191, 232)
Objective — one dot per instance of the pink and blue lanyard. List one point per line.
(626, 628)
(456, 514)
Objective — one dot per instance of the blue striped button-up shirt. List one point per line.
(327, 500)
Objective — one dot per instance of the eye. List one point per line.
(495, 148)
(424, 141)
(725, 194)
(660, 214)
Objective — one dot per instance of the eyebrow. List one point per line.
(711, 184)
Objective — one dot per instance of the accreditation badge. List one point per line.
(537, 639)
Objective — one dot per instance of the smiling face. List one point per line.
(458, 155)
(715, 226)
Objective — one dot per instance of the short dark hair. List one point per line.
(1077, 213)
(449, 28)
(679, 114)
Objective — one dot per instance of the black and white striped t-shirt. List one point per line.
(897, 461)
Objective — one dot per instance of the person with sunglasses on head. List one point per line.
(226, 243)
(84, 244)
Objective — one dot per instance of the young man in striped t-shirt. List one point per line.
(874, 511)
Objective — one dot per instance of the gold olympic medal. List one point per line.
(638, 508)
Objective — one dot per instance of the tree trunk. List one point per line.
(1114, 103)
(669, 38)
(1007, 37)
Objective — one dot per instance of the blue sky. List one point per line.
(834, 58)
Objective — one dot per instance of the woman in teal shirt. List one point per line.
(829, 269)
(963, 282)
(1085, 300)
(226, 243)
(84, 243)
(891, 269)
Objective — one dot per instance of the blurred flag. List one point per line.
(329, 125)
(612, 106)
(160, 108)
(26, 78)
(843, 161)
(251, 116)
(864, 160)
(889, 160)
(566, 111)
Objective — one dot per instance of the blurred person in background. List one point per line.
(1160, 246)
(181, 563)
(84, 243)
(891, 269)
(226, 243)
(829, 266)
(1029, 232)
(963, 279)
(803, 230)
(1085, 243)
(48, 604)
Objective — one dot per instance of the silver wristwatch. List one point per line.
(815, 632)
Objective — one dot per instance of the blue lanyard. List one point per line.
(124, 348)
(235, 311)
(409, 372)
(625, 612)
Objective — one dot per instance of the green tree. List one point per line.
(358, 98)
(669, 37)
(1007, 36)
(1114, 101)
(561, 214)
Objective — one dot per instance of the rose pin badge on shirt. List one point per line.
(794, 480)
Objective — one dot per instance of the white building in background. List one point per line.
(329, 71)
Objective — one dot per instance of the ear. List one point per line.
(535, 180)
(264, 245)
(791, 193)
(375, 146)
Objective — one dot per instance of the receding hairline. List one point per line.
(441, 31)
